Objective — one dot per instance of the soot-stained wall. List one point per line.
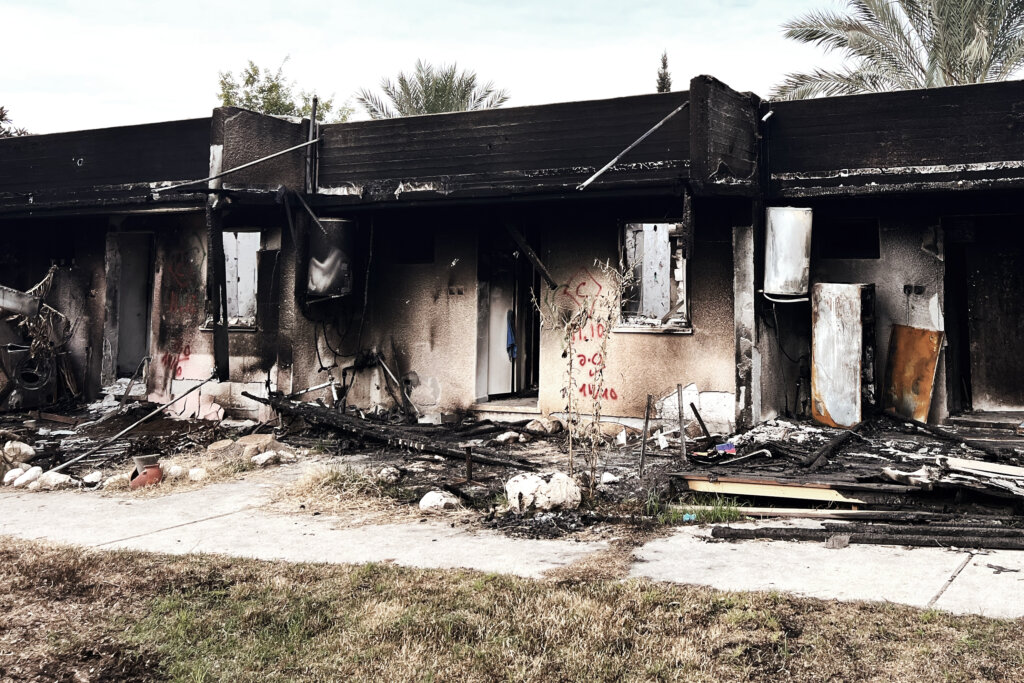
(641, 363)
(75, 246)
(424, 303)
(910, 252)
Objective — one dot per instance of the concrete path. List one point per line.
(986, 582)
(227, 518)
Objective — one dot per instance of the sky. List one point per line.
(70, 65)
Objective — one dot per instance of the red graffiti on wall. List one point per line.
(593, 363)
(183, 286)
(174, 363)
(581, 287)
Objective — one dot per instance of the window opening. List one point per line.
(656, 255)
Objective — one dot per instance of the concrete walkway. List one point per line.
(227, 518)
(985, 582)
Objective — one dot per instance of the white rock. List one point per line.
(439, 500)
(28, 477)
(18, 450)
(542, 491)
(608, 478)
(54, 481)
(511, 437)
(93, 477)
(175, 472)
(117, 481)
(546, 425)
(389, 474)
(197, 474)
(12, 475)
(255, 444)
(34, 486)
(266, 458)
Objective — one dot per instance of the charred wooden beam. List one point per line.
(965, 540)
(940, 433)
(531, 254)
(819, 457)
(390, 436)
(927, 530)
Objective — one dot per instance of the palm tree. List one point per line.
(431, 90)
(907, 44)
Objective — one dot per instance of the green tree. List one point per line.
(7, 128)
(907, 44)
(270, 92)
(430, 90)
(664, 77)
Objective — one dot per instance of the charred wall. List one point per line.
(898, 250)
(649, 362)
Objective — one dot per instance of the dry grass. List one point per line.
(352, 495)
(218, 469)
(72, 615)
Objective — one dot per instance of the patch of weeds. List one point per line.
(713, 509)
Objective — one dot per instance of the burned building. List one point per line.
(408, 262)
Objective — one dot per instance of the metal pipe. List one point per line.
(236, 168)
(124, 431)
(659, 124)
(313, 215)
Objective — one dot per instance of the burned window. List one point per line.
(655, 253)
(846, 238)
(241, 261)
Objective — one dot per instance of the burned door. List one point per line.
(995, 312)
(134, 295)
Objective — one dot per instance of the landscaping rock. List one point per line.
(223, 448)
(546, 424)
(264, 442)
(28, 477)
(55, 481)
(18, 450)
(266, 459)
(389, 474)
(197, 474)
(542, 491)
(94, 477)
(608, 478)
(13, 475)
(439, 500)
(118, 481)
(175, 472)
(511, 437)
(34, 486)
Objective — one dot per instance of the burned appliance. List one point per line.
(30, 382)
(842, 353)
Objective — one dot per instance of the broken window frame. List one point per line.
(235, 320)
(676, 318)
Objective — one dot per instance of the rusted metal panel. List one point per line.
(910, 370)
(842, 378)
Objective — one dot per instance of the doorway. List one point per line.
(985, 313)
(508, 324)
(133, 309)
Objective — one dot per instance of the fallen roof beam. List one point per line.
(388, 435)
(531, 254)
